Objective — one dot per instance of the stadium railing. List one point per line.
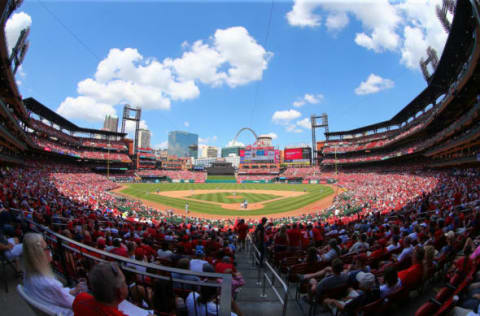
(262, 275)
(63, 247)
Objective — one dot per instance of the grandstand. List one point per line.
(438, 127)
(402, 231)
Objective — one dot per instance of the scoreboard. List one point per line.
(298, 155)
(259, 155)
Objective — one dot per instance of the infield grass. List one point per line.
(146, 191)
(228, 197)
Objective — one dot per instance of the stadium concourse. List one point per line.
(402, 238)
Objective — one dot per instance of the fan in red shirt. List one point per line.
(242, 230)
(414, 274)
(109, 289)
(294, 236)
(119, 249)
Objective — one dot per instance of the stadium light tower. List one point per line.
(324, 124)
(127, 109)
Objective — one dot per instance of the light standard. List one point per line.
(108, 159)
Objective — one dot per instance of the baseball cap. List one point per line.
(450, 234)
(365, 280)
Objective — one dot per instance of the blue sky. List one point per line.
(214, 67)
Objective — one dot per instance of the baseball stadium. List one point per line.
(381, 219)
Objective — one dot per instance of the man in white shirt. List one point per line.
(407, 250)
(197, 265)
(360, 245)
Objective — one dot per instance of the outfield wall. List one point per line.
(220, 181)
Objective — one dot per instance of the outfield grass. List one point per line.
(227, 197)
(147, 191)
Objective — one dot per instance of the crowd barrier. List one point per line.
(67, 252)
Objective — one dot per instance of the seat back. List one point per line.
(377, 307)
(427, 309)
(38, 308)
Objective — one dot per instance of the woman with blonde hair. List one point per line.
(39, 281)
(428, 262)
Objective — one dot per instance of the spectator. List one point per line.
(11, 248)
(332, 253)
(391, 281)
(184, 263)
(107, 284)
(335, 280)
(242, 230)
(281, 240)
(164, 253)
(40, 282)
(367, 293)
(414, 274)
(360, 245)
(202, 304)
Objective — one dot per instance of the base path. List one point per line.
(185, 195)
(313, 208)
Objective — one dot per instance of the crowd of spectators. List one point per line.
(398, 216)
(196, 176)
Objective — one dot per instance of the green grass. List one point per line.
(227, 197)
(221, 177)
(147, 191)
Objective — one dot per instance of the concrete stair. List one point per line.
(250, 299)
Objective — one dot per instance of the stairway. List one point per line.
(250, 300)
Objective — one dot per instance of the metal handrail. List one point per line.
(64, 242)
(255, 256)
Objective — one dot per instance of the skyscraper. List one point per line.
(182, 144)
(212, 152)
(144, 136)
(110, 123)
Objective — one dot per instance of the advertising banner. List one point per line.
(293, 153)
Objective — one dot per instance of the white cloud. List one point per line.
(283, 117)
(14, 26)
(299, 103)
(407, 27)
(302, 14)
(337, 21)
(207, 140)
(162, 145)
(236, 143)
(231, 56)
(374, 84)
(130, 126)
(272, 135)
(308, 98)
(85, 108)
(305, 123)
(423, 30)
(186, 123)
(238, 55)
(313, 99)
(292, 128)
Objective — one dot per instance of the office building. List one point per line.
(182, 144)
(212, 152)
(110, 123)
(144, 136)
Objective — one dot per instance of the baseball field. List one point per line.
(227, 200)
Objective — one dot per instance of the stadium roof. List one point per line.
(40, 109)
(8, 87)
(440, 81)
